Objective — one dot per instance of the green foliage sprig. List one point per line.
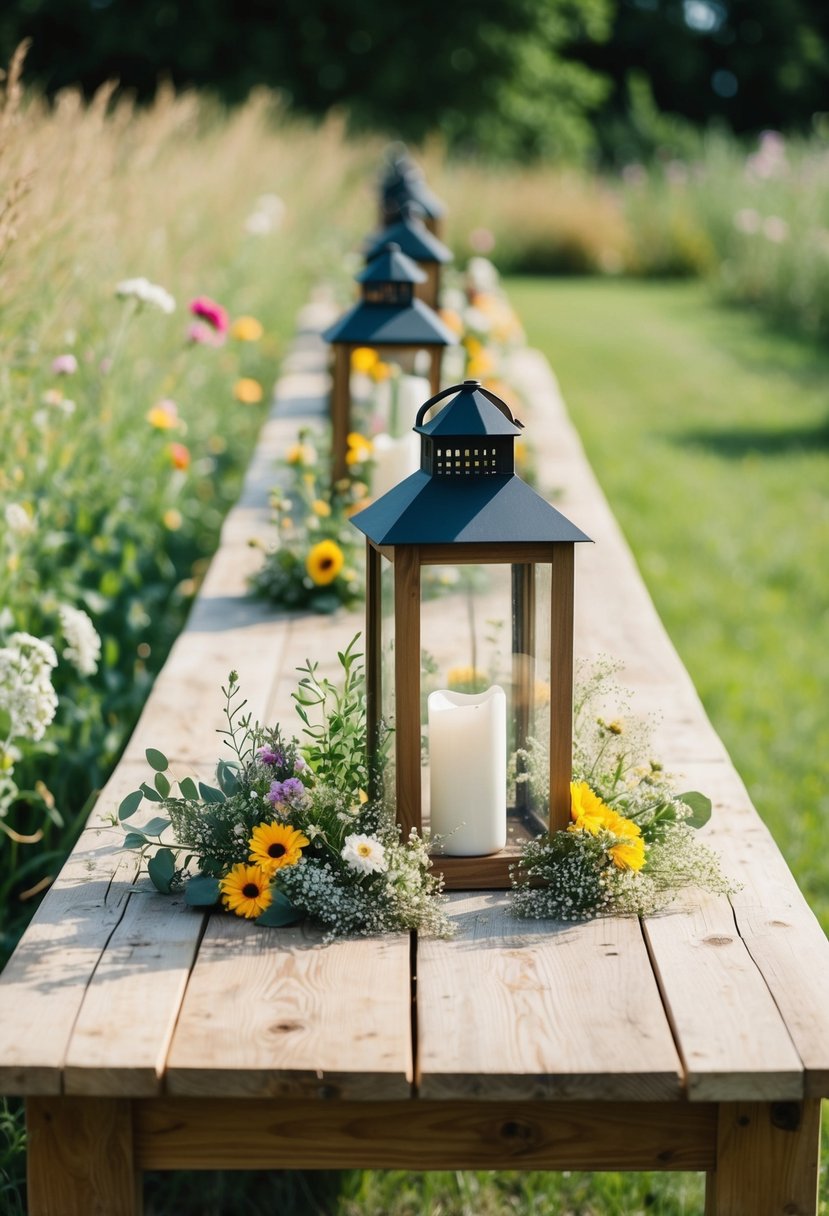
(288, 830)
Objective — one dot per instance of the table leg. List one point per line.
(80, 1158)
(767, 1160)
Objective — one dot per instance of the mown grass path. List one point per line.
(710, 436)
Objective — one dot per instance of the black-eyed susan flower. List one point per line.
(246, 890)
(324, 562)
(275, 845)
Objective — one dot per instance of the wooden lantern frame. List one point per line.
(388, 316)
(466, 506)
(491, 871)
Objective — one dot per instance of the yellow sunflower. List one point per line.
(630, 854)
(587, 809)
(324, 562)
(246, 890)
(274, 845)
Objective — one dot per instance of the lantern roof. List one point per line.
(389, 264)
(474, 410)
(460, 495)
(403, 182)
(413, 237)
(405, 322)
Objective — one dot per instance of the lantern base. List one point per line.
(477, 873)
(492, 870)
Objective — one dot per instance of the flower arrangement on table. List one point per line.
(632, 843)
(317, 562)
(288, 831)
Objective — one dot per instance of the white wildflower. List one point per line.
(365, 854)
(83, 648)
(482, 274)
(18, 520)
(146, 293)
(26, 692)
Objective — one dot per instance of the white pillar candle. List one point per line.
(468, 770)
(394, 460)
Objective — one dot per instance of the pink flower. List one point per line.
(64, 365)
(211, 312)
(202, 335)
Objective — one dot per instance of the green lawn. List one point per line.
(710, 436)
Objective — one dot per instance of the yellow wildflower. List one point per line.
(587, 809)
(275, 845)
(381, 371)
(246, 329)
(246, 890)
(248, 391)
(359, 449)
(324, 562)
(363, 359)
(320, 507)
(629, 854)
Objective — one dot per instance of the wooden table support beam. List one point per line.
(767, 1160)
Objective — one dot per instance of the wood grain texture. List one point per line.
(120, 1039)
(80, 1158)
(728, 1029)
(407, 726)
(253, 1134)
(537, 1009)
(767, 1160)
(274, 1012)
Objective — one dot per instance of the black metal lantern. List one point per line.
(415, 240)
(498, 771)
(389, 315)
(402, 182)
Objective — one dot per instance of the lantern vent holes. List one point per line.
(460, 462)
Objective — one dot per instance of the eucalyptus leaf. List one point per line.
(228, 778)
(156, 759)
(161, 869)
(155, 826)
(188, 789)
(149, 793)
(280, 913)
(162, 785)
(210, 794)
(130, 804)
(700, 806)
(202, 891)
(135, 840)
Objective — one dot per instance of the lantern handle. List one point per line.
(456, 388)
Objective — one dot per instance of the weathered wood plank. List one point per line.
(80, 1158)
(513, 1009)
(120, 1040)
(273, 1012)
(729, 1031)
(767, 1160)
(248, 1133)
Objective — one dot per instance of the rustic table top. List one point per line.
(117, 991)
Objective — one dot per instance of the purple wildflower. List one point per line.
(267, 755)
(285, 791)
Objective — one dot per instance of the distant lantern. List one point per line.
(470, 585)
(414, 239)
(389, 316)
(402, 182)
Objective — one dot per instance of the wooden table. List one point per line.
(148, 1036)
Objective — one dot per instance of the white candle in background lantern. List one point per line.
(468, 771)
(398, 399)
(394, 460)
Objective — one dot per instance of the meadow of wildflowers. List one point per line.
(151, 265)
